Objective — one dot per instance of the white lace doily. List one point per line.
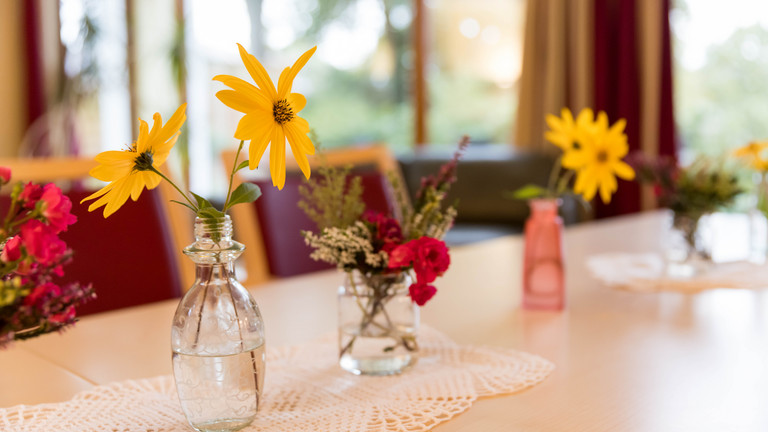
(646, 272)
(306, 390)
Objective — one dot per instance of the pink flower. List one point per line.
(65, 317)
(421, 292)
(39, 294)
(30, 195)
(41, 242)
(11, 250)
(56, 208)
(5, 175)
(431, 258)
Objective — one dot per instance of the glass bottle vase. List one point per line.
(217, 337)
(378, 323)
(543, 269)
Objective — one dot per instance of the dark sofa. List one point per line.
(485, 174)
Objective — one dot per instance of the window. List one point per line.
(475, 62)
(721, 55)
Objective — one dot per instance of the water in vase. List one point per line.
(220, 393)
(373, 352)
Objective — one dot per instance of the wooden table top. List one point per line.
(624, 361)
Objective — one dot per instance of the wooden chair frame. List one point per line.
(178, 219)
(245, 217)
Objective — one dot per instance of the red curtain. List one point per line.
(617, 87)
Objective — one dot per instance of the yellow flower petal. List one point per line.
(174, 124)
(258, 97)
(301, 139)
(277, 158)
(623, 170)
(299, 147)
(258, 73)
(142, 143)
(239, 101)
(251, 125)
(297, 102)
(285, 87)
(259, 144)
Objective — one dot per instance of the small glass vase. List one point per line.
(217, 336)
(543, 269)
(378, 323)
(758, 220)
(690, 244)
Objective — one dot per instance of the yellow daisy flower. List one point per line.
(563, 129)
(752, 153)
(130, 171)
(271, 115)
(599, 162)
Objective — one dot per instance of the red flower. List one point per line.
(431, 258)
(40, 293)
(30, 195)
(65, 317)
(56, 208)
(11, 250)
(401, 256)
(5, 175)
(387, 230)
(421, 292)
(42, 243)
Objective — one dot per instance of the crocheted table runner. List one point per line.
(646, 272)
(306, 390)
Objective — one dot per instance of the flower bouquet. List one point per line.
(390, 262)
(32, 257)
(690, 193)
(592, 154)
(217, 337)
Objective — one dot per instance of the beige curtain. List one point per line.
(557, 66)
(650, 15)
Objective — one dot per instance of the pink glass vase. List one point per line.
(543, 279)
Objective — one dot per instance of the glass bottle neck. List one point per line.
(545, 207)
(208, 272)
(213, 242)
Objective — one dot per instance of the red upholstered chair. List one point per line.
(132, 258)
(271, 227)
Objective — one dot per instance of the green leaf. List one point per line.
(185, 205)
(209, 213)
(201, 202)
(529, 191)
(245, 193)
(243, 164)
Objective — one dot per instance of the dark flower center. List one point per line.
(282, 112)
(602, 156)
(143, 162)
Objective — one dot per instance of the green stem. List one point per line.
(156, 171)
(554, 174)
(563, 183)
(232, 175)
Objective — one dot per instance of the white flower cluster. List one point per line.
(343, 246)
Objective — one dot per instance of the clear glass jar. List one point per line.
(689, 245)
(378, 323)
(217, 336)
(543, 269)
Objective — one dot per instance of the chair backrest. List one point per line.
(132, 258)
(271, 227)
